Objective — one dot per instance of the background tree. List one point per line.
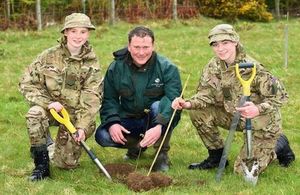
(22, 14)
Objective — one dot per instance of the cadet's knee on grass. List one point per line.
(262, 154)
(67, 152)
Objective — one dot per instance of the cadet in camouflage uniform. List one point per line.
(216, 101)
(67, 75)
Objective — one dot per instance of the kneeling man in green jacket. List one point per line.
(139, 87)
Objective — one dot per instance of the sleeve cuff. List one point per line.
(108, 125)
(263, 108)
(161, 120)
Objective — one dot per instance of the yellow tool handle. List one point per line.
(64, 119)
(245, 83)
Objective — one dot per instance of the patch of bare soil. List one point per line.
(119, 171)
(137, 182)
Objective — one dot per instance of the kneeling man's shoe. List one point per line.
(162, 162)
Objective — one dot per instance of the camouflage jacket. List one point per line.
(74, 81)
(220, 86)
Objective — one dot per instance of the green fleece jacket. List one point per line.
(129, 91)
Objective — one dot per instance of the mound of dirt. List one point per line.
(119, 171)
(160, 180)
(137, 182)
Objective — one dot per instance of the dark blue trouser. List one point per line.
(136, 128)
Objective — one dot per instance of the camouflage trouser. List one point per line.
(266, 130)
(67, 151)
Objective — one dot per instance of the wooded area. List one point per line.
(34, 14)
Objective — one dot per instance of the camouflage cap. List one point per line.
(223, 32)
(77, 20)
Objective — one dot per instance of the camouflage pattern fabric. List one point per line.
(75, 82)
(218, 94)
(223, 32)
(79, 20)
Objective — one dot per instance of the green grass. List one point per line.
(186, 44)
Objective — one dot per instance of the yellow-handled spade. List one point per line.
(250, 175)
(65, 120)
(246, 92)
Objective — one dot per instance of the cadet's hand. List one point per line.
(151, 136)
(79, 135)
(116, 134)
(56, 106)
(248, 110)
(179, 104)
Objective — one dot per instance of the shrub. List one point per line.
(254, 10)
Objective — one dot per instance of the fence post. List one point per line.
(38, 15)
(8, 10)
(175, 10)
(83, 6)
(112, 12)
(277, 9)
(286, 41)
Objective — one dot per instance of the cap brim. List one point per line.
(91, 27)
(220, 37)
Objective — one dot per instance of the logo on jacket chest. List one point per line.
(157, 83)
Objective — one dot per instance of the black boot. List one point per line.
(212, 161)
(41, 161)
(285, 154)
(162, 162)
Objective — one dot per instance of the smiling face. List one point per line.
(76, 37)
(225, 50)
(141, 49)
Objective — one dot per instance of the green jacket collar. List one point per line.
(124, 54)
(145, 67)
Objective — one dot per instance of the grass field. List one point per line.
(186, 44)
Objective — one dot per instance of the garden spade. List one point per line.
(250, 174)
(65, 120)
